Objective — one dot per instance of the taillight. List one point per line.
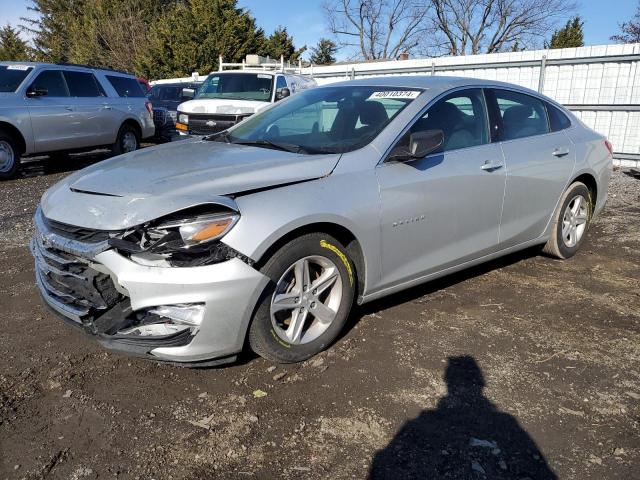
(607, 144)
(149, 107)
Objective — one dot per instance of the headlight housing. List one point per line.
(183, 118)
(201, 229)
(187, 238)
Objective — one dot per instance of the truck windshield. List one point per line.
(237, 86)
(11, 76)
(323, 120)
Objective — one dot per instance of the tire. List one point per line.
(571, 222)
(127, 141)
(9, 157)
(270, 336)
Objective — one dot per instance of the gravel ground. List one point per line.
(522, 368)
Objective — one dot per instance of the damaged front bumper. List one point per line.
(123, 304)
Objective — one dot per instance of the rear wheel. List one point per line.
(307, 302)
(9, 157)
(571, 222)
(128, 140)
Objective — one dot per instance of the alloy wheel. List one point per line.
(7, 157)
(306, 300)
(574, 221)
(129, 142)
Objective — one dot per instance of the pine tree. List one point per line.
(569, 36)
(190, 35)
(323, 53)
(12, 47)
(280, 43)
(630, 31)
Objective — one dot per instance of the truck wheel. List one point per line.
(307, 302)
(128, 140)
(9, 157)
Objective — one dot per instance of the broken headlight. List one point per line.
(189, 238)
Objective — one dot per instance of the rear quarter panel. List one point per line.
(592, 157)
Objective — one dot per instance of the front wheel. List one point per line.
(307, 302)
(9, 157)
(571, 222)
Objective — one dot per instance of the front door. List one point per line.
(444, 209)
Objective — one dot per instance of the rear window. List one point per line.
(125, 86)
(557, 120)
(11, 76)
(82, 84)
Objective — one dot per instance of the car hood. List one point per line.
(141, 186)
(221, 106)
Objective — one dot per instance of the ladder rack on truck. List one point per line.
(256, 62)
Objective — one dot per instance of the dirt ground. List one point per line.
(523, 368)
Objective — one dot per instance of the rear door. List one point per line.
(52, 115)
(444, 209)
(95, 120)
(538, 161)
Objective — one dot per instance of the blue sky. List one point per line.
(304, 18)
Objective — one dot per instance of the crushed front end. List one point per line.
(188, 312)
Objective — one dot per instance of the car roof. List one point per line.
(435, 84)
(70, 66)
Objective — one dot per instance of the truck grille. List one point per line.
(66, 280)
(208, 124)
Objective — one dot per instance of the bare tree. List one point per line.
(629, 31)
(489, 26)
(378, 28)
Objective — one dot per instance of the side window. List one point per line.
(281, 83)
(82, 84)
(557, 120)
(53, 82)
(462, 118)
(126, 86)
(522, 115)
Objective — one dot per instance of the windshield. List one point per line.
(323, 120)
(168, 93)
(11, 76)
(237, 86)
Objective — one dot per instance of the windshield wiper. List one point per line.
(216, 137)
(287, 147)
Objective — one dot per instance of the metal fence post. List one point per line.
(433, 68)
(543, 66)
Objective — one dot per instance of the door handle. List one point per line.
(560, 152)
(106, 106)
(489, 166)
(70, 109)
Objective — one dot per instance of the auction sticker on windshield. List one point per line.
(18, 67)
(399, 94)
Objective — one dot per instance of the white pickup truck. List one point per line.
(226, 98)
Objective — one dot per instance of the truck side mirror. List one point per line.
(281, 93)
(188, 93)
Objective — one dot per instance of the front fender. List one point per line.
(343, 199)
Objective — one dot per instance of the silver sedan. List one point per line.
(265, 235)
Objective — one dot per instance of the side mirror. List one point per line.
(188, 93)
(283, 92)
(420, 145)
(33, 92)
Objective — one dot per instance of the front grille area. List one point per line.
(208, 124)
(62, 263)
(72, 283)
(77, 233)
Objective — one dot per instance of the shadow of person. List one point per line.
(465, 437)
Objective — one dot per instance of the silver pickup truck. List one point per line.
(47, 108)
